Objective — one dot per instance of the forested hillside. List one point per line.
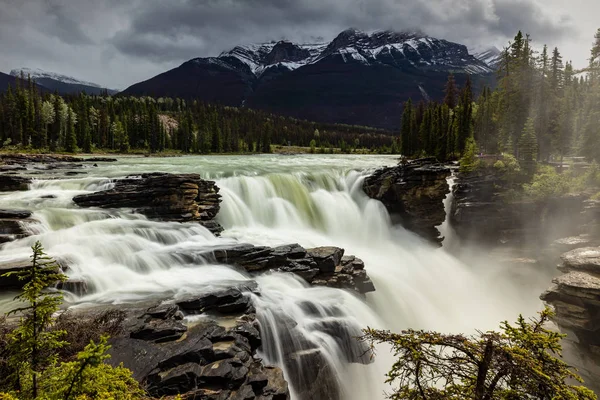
(31, 119)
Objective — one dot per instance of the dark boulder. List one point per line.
(12, 183)
(413, 193)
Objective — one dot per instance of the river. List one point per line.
(271, 200)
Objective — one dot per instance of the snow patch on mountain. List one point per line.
(37, 73)
(491, 56)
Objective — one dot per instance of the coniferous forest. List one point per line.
(31, 118)
(541, 108)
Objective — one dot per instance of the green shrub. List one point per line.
(469, 161)
(546, 183)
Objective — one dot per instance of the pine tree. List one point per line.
(71, 137)
(32, 345)
(451, 92)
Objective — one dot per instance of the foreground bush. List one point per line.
(520, 362)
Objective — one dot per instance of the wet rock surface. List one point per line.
(413, 193)
(323, 266)
(163, 197)
(575, 297)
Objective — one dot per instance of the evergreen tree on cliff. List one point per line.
(406, 129)
(465, 117)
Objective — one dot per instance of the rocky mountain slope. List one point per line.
(61, 83)
(358, 78)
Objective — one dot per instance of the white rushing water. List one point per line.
(273, 200)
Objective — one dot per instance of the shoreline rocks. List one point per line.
(162, 197)
(413, 193)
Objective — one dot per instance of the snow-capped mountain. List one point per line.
(62, 83)
(385, 47)
(491, 56)
(357, 78)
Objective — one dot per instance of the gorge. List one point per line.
(230, 314)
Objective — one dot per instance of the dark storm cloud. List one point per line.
(119, 42)
(186, 28)
(58, 23)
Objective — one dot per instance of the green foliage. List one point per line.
(522, 361)
(547, 183)
(469, 161)
(89, 378)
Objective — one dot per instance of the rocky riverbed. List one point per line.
(202, 345)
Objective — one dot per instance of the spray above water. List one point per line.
(273, 200)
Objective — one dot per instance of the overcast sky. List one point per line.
(120, 42)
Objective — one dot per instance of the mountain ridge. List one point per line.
(63, 84)
(357, 78)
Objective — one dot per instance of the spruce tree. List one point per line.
(70, 135)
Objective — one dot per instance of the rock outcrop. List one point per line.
(575, 297)
(322, 266)
(13, 224)
(163, 197)
(413, 193)
(212, 359)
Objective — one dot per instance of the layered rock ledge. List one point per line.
(162, 197)
(413, 193)
(322, 266)
(575, 297)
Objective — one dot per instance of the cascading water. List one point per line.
(274, 200)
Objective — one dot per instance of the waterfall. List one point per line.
(274, 200)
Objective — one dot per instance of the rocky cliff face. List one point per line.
(482, 211)
(413, 194)
(164, 197)
(575, 297)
